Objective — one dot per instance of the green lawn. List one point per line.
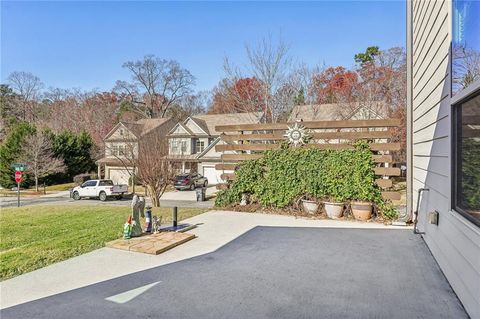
(59, 187)
(36, 236)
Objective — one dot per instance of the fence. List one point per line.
(247, 141)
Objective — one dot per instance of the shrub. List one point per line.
(10, 151)
(80, 178)
(281, 176)
(76, 151)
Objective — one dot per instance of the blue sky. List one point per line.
(83, 44)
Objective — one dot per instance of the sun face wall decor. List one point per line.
(297, 135)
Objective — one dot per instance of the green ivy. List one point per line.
(281, 176)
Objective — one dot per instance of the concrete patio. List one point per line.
(247, 266)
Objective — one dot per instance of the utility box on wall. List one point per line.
(433, 217)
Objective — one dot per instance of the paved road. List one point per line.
(169, 199)
(274, 272)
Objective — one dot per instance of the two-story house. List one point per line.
(122, 146)
(192, 142)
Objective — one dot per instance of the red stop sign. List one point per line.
(18, 176)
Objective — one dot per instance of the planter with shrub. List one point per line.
(361, 210)
(333, 209)
(281, 176)
(310, 206)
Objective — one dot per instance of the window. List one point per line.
(89, 184)
(199, 146)
(178, 146)
(466, 158)
(114, 150)
(117, 150)
(121, 150)
(174, 145)
(183, 146)
(465, 44)
(105, 182)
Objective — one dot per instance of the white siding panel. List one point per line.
(431, 131)
(440, 147)
(433, 7)
(434, 164)
(455, 242)
(427, 116)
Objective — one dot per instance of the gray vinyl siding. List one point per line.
(455, 242)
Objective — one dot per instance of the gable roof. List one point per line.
(200, 123)
(209, 121)
(337, 111)
(189, 132)
(140, 127)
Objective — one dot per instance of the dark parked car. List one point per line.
(190, 181)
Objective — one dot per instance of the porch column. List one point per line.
(183, 167)
(99, 172)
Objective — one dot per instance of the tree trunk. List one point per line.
(155, 196)
(36, 183)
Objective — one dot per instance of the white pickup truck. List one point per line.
(101, 188)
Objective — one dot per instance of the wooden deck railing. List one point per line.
(248, 141)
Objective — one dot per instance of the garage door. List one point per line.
(119, 176)
(212, 175)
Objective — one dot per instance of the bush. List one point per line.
(10, 151)
(76, 150)
(80, 178)
(281, 176)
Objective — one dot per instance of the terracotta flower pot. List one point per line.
(310, 206)
(334, 210)
(361, 210)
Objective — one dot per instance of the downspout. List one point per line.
(415, 230)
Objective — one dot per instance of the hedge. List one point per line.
(281, 176)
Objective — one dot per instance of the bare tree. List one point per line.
(28, 87)
(156, 85)
(146, 163)
(37, 153)
(270, 64)
(154, 169)
(188, 105)
(465, 67)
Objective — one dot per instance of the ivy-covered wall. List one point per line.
(280, 177)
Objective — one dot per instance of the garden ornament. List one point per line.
(141, 205)
(127, 228)
(148, 219)
(138, 203)
(245, 199)
(156, 223)
(297, 135)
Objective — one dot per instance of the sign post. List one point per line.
(19, 168)
(18, 179)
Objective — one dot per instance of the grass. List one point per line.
(59, 187)
(31, 190)
(37, 236)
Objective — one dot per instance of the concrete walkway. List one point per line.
(215, 229)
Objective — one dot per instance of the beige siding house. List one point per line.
(444, 139)
(122, 145)
(339, 111)
(192, 142)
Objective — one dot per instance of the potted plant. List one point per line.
(361, 210)
(333, 207)
(309, 204)
(363, 197)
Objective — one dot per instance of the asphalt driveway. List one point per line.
(274, 272)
